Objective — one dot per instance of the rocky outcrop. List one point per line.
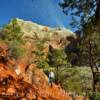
(56, 37)
(15, 86)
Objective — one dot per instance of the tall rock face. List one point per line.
(56, 37)
(38, 40)
(23, 77)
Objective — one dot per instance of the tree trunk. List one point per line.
(94, 89)
(57, 79)
(97, 14)
(91, 65)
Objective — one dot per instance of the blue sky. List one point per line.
(45, 12)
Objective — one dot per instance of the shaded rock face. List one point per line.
(31, 84)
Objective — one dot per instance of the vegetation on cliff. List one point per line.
(47, 48)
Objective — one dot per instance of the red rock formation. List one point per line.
(18, 87)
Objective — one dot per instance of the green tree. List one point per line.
(57, 58)
(40, 55)
(13, 31)
(90, 51)
(11, 35)
(88, 13)
(86, 10)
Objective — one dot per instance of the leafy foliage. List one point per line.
(57, 58)
(94, 96)
(88, 14)
(90, 44)
(85, 10)
(76, 79)
(11, 35)
(12, 31)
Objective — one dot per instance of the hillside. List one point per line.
(34, 42)
(24, 47)
(17, 87)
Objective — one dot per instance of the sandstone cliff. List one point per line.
(21, 79)
(20, 87)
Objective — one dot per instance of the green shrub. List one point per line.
(94, 96)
